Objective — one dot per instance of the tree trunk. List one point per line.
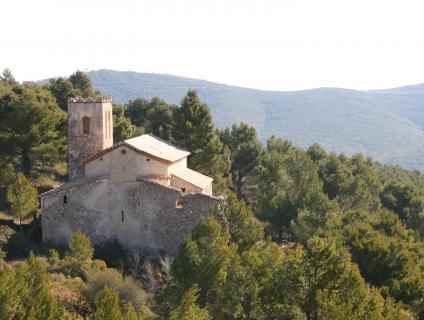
(26, 163)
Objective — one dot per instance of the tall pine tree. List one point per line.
(193, 129)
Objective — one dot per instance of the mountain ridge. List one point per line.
(387, 124)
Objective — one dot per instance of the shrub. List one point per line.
(6, 233)
(78, 257)
(128, 289)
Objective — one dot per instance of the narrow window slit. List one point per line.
(65, 199)
(122, 215)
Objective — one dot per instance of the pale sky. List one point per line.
(276, 45)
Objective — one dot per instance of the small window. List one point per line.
(183, 189)
(123, 151)
(65, 199)
(86, 125)
(122, 215)
(101, 158)
(148, 159)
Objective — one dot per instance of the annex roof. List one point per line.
(149, 145)
(193, 177)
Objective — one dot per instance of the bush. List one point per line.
(6, 233)
(78, 257)
(128, 289)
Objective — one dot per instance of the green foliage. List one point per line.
(32, 127)
(246, 154)
(78, 257)
(22, 197)
(188, 309)
(107, 306)
(7, 78)
(289, 185)
(154, 115)
(78, 84)
(127, 289)
(24, 293)
(193, 129)
(407, 202)
(122, 127)
(244, 228)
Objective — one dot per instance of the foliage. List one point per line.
(32, 129)
(24, 293)
(107, 306)
(154, 115)
(193, 129)
(188, 310)
(78, 84)
(22, 197)
(246, 154)
(78, 257)
(127, 289)
(122, 127)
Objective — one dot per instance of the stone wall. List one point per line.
(142, 215)
(82, 145)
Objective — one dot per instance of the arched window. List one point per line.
(86, 125)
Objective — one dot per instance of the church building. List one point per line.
(138, 191)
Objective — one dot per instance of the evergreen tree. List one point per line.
(82, 84)
(246, 153)
(79, 255)
(32, 128)
(188, 309)
(12, 291)
(122, 127)
(107, 306)
(244, 228)
(39, 303)
(130, 313)
(62, 89)
(193, 129)
(22, 197)
(7, 78)
(155, 116)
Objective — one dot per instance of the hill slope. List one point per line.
(386, 124)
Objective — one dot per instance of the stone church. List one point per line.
(138, 191)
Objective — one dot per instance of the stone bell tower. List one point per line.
(90, 130)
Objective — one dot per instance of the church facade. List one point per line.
(138, 191)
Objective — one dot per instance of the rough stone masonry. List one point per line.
(139, 191)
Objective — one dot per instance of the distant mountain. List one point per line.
(386, 124)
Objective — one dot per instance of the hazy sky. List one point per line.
(278, 45)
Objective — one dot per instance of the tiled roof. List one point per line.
(149, 145)
(157, 147)
(193, 177)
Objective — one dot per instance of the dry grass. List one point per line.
(5, 216)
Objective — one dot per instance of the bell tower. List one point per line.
(90, 130)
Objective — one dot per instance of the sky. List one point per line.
(267, 44)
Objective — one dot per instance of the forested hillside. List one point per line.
(386, 124)
(304, 234)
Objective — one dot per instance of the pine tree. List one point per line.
(79, 255)
(39, 303)
(130, 313)
(193, 129)
(32, 128)
(12, 291)
(22, 197)
(188, 309)
(107, 306)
